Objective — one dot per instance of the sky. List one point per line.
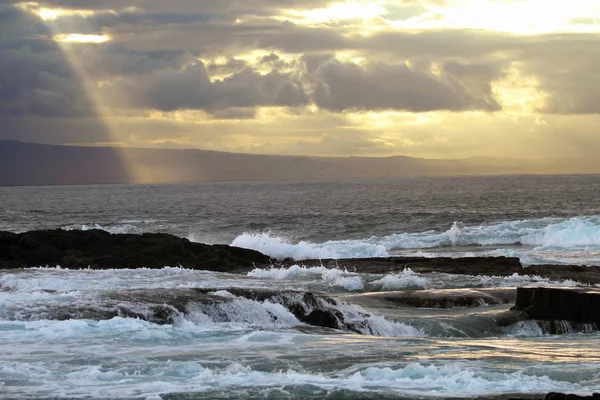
(422, 78)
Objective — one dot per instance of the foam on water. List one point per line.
(524, 328)
(330, 277)
(153, 379)
(523, 280)
(251, 313)
(407, 279)
(280, 247)
(546, 236)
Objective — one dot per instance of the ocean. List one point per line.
(245, 348)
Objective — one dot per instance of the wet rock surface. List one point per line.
(560, 396)
(450, 298)
(589, 275)
(97, 249)
(165, 306)
(556, 310)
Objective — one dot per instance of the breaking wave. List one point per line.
(545, 234)
(458, 379)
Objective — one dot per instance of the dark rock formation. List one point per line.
(562, 396)
(164, 306)
(98, 249)
(486, 266)
(571, 304)
(556, 310)
(448, 298)
(324, 318)
(499, 266)
(584, 274)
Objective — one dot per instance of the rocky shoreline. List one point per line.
(555, 310)
(98, 249)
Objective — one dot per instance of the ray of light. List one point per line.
(68, 44)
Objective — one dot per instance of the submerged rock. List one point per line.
(439, 298)
(98, 249)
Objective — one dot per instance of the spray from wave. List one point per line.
(544, 235)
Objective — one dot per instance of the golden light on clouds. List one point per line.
(80, 38)
(348, 10)
(51, 14)
(435, 78)
(518, 93)
(517, 17)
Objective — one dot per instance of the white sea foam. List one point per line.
(329, 276)
(18, 282)
(279, 247)
(544, 237)
(523, 280)
(117, 228)
(152, 379)
(407, 279)
(244, 311)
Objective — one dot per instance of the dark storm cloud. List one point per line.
(35, 77)
(347, 86)
(192, 88)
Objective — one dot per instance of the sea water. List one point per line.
(243, 348)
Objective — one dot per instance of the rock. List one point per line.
(562, 396)
(499, 266)
(164, 306)
(450, 298)
(324, 318)
(510, 317)
(584, 274)
(98, 249)
(438, 298)
(560, 310)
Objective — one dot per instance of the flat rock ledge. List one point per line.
(97, 249)
(560, 396)
(556, 310)
(437, 298)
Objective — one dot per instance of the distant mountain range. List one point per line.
(40, 164)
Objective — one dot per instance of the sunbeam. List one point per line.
(104, 113)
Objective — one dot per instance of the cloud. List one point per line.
(347, 86)
(192, 88)
(35, 77)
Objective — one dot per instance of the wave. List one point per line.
(280, 247)
(120, 228)
(335, 278)
(155, 378)
(407, 279)
(544, 234)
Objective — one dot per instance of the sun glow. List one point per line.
(52, 14)
(79, 38)
(339, 11)
(517, 17)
